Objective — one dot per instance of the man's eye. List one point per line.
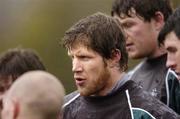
(84, 57)
(171, 50)
(127, 25)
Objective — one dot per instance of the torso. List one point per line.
(150, 75)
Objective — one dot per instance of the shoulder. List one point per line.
(136, 67)
(70, 98)
(142, 100)
(71, 102)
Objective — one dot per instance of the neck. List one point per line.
(160, 51)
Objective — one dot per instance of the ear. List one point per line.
(158, 20)
(115, 57)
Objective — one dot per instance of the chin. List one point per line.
(178, 74)
(83, 92)
(135, 56)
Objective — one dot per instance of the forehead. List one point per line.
(131, 14)
(79, 49)
(131, 18)
(172, 40)
(80, 39)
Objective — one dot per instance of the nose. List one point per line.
(170, 63)
(76, 65)
(126, 35)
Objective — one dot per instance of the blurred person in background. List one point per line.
(34, 95)
(15, 62)
(96, 45)
(142, 21)
(170, 38)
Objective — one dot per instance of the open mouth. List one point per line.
(79, 81)
(129, 45)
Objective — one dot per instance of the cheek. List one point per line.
(171, 57)
(135, 31)
(137, 37)
(94, 67)
(95, 72)
(177, 59)
(132, 33)
(101, 78)
(178, 56)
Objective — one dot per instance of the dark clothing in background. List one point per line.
(173, 91)
(150, 75)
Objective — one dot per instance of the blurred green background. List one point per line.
(40, 25)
